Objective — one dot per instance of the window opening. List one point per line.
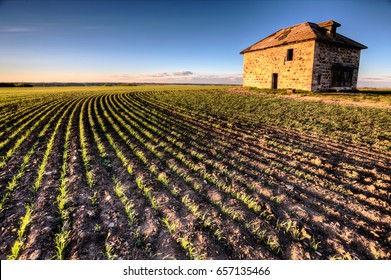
(289, 55)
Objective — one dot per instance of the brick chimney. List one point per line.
(330, 26)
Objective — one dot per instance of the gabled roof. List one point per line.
(322, 32)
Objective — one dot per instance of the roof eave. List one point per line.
(353, 45)
(275, 46)
(245, 50)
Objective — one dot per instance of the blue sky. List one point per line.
(170, 41)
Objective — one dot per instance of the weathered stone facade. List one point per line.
(307, 56)
(327, 55)
(259, 66)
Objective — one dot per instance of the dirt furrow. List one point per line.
(169, 205)
(122, 174)
(24, 194)
(152, 238)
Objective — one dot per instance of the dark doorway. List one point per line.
(274, 80)
(342, 75)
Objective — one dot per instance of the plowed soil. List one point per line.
(148, 180)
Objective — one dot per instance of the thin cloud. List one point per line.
(217, 79)
(172, 74)
(183, 73)
(379, 81)
(372, 79)
(122, 77)
(159, 75)
(16, 29)
(382, 79)
(181, 77)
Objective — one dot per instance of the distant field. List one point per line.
(193, 172)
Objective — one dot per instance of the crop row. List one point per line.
(129, 175)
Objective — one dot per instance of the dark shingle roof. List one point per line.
(304, 32)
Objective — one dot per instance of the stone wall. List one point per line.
(259, 66)
(310, 69)
(325, 56)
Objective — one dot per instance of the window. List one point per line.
(289, 55)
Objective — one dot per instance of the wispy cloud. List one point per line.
(376, 81)
(380, 79)
(160, 75)
(173, 74)
(181, 77)
(121, 77)
(16, 29)
(182, 73)
(372, 79)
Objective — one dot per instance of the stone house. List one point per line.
(306, 56)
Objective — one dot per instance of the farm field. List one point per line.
(191, 172)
